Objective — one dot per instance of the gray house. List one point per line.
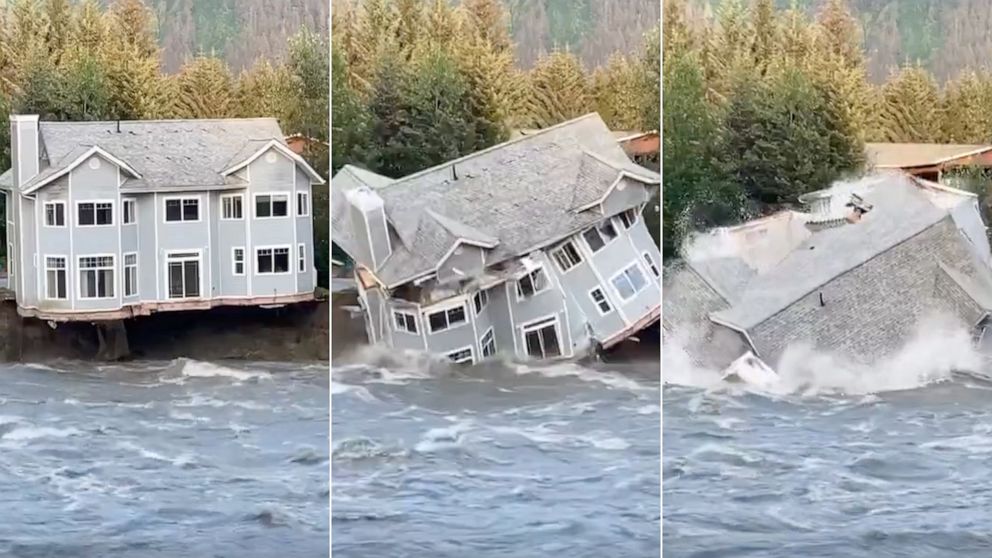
(534, 248)
(854, 274)
(109, 220)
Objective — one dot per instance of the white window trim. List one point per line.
(404, 330)
(606, 243)
(637, 217)
(289, 266)
(602, 290)
(232, 196)
(482, 345)
(137, 275)
(551, 255)
(647, 258)
(113, 213)
(234, 261)
(289, 205)
(79, 269)
(478, 311)
(541, 323)
(44, 216)
(623, 270)
(165, 211)
(68, 270)
(198, 258)
(547, 283)
(470, 359)
(301, 258)
(427, 317)
(134, 213)
(307, 196)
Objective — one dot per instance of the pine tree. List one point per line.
(841, 32)
(262, 91)
(967, 110)
(619, 88)
(133, 23)
(349, 118)
(559, 90)
(309, 65)
(88, 26)
(489, 21)
(206, 89)
(910, 107)
(765, 29)
(650, 95)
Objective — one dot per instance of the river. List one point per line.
(150, 459)
(494, 460)
(835, 460)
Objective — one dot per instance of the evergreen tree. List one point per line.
(309, 65)
(349, 120)
(489, 21)
(619, 88)
(263, 91)
(559, 90)
(910, 107)
(650, 96)
(206, 89)
(967, 110)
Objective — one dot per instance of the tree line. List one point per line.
(762, 105)
(416, 83)
(77, 61)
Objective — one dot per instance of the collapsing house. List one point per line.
(534, 248)
(853, 274)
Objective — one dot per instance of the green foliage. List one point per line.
(558, 90)
(206, 89)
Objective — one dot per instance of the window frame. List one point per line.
(271, 195)
(199, 272)
(232, 197)
(133, 203)
(477, 297)
(128, 267)
(94, 203)
(113, 276)
(651, 265)
(448, 325)
(182, 213)
(65, 216)
(560, 249)
(304, 206)
(537, 325)
(623, 272)
(470, 360)
(301, 258)
(597, 227)
(65, 272)
(491, 334)
(412, 316)
(547, 283)
(273, 248)
(234, 261)
(595, 303)
(633, 218)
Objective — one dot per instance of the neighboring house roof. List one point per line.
(162, 155)
(525, 193)
(911, 155)
(901, 210)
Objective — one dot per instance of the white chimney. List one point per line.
(368, 219)
(24, 147)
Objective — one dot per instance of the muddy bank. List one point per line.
(296, 333)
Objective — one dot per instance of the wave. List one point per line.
(361, 448)
(559, 370)
(937, 351)
(27, 433)
(199, 369)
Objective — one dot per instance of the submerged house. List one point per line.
(855, 273)
(109, 220)
(534, 248)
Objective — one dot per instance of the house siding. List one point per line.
(619, 254)
(886, 297)
(275, 175)
(465, 258)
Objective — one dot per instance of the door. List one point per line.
(183, 277)
(541, 339)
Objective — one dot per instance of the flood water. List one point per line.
(164, 459)
(887, 461)
(494, 460)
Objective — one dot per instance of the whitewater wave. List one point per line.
(559, 370)
(198, 369)
(27, 433)
(938, 350)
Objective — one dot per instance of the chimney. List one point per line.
(24, 147)
(368, 221)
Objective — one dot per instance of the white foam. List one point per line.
(568, 369)
(338, 388)
(36, 432)
(197, 369)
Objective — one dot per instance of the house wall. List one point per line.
(465, 258)
(627, 193)
(306, 281)
(273, 172)
(546, 304)
(228, 234)
(619, 254)
(874, 309)
(87, 184)
(577, 283)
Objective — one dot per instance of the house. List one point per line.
(927, 160)
(533, 248)
(109, 220)
(855, 274)
(300, 143)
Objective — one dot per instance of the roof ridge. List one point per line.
(463, 158)
(157, 120)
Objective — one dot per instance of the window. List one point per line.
(302, 204)
(541, 339)
(488, 343)
(55, 278)
(480, 300)
(532, 283)
(405, 322)
(54, 214)
(600, 300)
(183, 270)
(648, 260)
(628, 218)
(629, 282)
(272, 260)
(130, 208)
(94, 213)
(182, 209)
(566, 256)
(232, 207)
(130, 274)
(96, 277)
(600, 235)
(271, 205)
(446, 319)
(461, 356)
(238, 258)
(301, 258)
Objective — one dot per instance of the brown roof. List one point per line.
(910, 155)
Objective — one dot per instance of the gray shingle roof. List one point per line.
(900, 211)
(169, 154)
(522, 193)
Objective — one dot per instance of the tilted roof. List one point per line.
(523, 194)
(165, 154)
